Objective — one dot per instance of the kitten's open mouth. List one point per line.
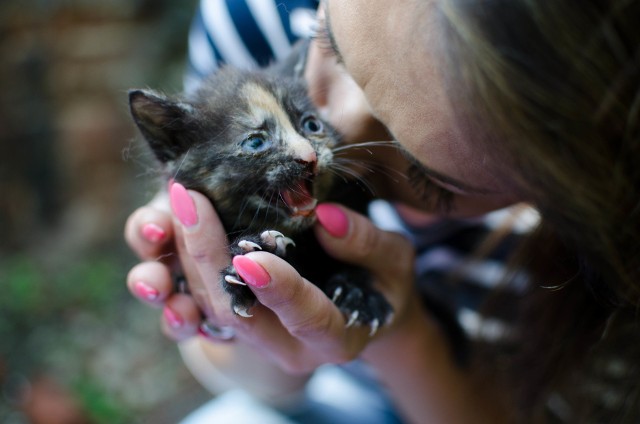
(299, 198)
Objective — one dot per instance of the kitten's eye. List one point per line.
(256, 143)
(312, 125)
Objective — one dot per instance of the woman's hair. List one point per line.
(552, 88)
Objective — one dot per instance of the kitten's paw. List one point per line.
(362, 305)
(242, 299)
(269, 241)
(277, 242)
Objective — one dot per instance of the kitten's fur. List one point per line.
(252, 142)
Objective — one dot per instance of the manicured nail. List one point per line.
(252, 273)
(153, 233)
(172, 318)
(183, 206)
(333, 219)
(145, 291)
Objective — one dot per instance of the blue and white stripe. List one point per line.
(244, 33)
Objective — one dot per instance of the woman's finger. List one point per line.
(151, 282)
(180, 317)
(315, 329)
(301, 306)
(202, 244)
(352, 238)
(149, 230)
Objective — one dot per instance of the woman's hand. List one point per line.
(295, 324)
(149, 232)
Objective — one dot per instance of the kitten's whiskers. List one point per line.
(184, 158)
(364, 146)
(344, 172)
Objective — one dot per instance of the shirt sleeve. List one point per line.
(453, 277)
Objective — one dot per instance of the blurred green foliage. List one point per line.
(40, 306)
(102, 408)
(65, 311)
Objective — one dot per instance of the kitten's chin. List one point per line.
(300, 223)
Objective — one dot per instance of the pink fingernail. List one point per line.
(153, 233)
(182, 205)
(252, 273)
(145, 291)
(172, 318)
(333, 219)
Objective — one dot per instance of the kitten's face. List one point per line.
(254, 146)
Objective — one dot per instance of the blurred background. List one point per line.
(75, 347)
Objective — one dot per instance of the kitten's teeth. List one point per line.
(375, 324)
(233, 280)
(305, 210)
(336, 294)
(352, 318)
(248, 246)
(243, 312)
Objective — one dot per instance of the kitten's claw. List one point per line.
(277, 240)
(243, 312)
(233, 280)
(336, 294)
(269, 237)
(375, 324)
(352, 318)
(248, 246)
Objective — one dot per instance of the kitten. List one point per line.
(252, 142)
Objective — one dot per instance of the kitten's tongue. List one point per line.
(299, 199)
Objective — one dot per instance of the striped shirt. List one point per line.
(246, 34)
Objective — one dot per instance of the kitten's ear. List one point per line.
(163, 123)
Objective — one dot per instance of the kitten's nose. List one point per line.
(303, 151)
(309, 157)
(310, 162)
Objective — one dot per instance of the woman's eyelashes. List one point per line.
(439, 198)
(325, 41)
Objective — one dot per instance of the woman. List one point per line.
(494, 103)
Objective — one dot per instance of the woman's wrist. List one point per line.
(223, 367)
